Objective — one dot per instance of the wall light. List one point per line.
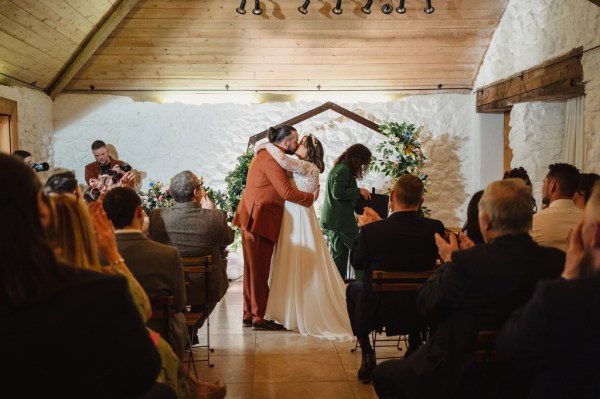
(429, 9)
(304, 7)
(242, 8)
(367, 7)
(338, 7)
(400, 9)
(257, 10)
(387, 8)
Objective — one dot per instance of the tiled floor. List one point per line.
(287, 365)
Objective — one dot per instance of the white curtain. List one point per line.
(573, 149)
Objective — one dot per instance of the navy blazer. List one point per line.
(554, 339)
(404, 242)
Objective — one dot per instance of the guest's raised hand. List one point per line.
(445, 249)
(366, 194)
(465, 241)
(105, 232)
(574, 253)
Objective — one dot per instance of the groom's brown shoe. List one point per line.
(268, 325)
(247, 323)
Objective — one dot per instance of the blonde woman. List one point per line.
(77, 237)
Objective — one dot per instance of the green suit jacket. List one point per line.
(341, 195)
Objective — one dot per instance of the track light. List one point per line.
(257, 10)
(400, 9)
(429, 9)
(304, 7)
(387, 8)
(338, 7)
(242, 8)
(367, 7)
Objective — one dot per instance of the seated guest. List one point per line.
(521, 173)
(584, 190)
(404, 242)
(475, 288)
(554, 337)
(195, 228)
(471, 227)
(89, 340)
(156, 266)
(63, 183)
(25, 156)
(106, 165)
(551, 225)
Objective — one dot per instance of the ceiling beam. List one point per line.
(596, 2)
(557, 79)
(80, 59)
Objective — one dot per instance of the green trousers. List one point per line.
(340, 245)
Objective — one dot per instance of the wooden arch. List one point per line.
(316, 111)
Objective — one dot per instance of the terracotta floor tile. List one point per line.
(297, 368)
(231, 369)
(303, 390)
(291, 343)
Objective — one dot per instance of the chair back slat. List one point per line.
(384, 281)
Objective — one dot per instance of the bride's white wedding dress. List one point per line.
(307, 293)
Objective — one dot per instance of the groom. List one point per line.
(259, 215)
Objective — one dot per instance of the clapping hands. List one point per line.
(368, 216)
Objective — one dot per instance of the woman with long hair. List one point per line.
(471, 226)
(341, 194)
(78, 326)
(78, 236)
(306, 291)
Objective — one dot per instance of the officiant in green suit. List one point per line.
(342, 192)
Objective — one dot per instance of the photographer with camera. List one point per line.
(106, 165)
(26, 157)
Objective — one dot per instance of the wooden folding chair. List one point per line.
(384, 282)
(192, 265)
(163, 312)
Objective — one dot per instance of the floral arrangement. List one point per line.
(401, 153)
(157, 196)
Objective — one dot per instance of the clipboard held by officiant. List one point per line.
(378, 202)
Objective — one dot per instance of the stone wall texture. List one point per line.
(163, 139)
(529, 33)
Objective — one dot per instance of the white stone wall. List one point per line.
(529, 33)
(536, 134)
(163, 139)
(35, 122)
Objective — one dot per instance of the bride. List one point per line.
(307, 293)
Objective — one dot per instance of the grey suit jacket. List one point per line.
(157, 267)
(196, 232)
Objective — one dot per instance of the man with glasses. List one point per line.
(196, 228)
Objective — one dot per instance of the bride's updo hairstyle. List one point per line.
(280, 133)
(358, 159)
(314, 151)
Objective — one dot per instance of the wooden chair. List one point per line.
(163, 312)
(485, 352)
(383, 282)
(193, 265)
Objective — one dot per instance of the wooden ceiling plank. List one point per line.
(29, 76)
(48, 15)
(17, 47)
(25, 63)
(91, 46)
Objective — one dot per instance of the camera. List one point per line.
(125, 167)
(40, 167)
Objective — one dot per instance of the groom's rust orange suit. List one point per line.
(259, 216)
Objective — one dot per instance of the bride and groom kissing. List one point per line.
(282, 242)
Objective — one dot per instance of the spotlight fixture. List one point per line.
(400, 9)
(242, 8)
(387, 8)
(429, 9)
(257, 10)
(338, 7)
(367, 7)
(304, 7)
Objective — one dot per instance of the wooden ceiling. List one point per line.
(201, 45)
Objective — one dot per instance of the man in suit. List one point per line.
(475, 288)
(195, 228)
(404, 242)
(259, 215)
(105, 164)
(341, 194)
(157, 267)
(551, 225)
(553, 339)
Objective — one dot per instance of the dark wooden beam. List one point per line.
(557, 79)
(93, 43)
(316, 111)
(596, 2)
